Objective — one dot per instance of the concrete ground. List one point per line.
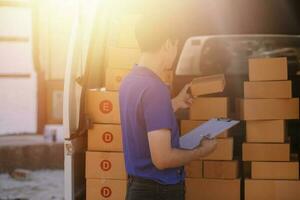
(42, 185)
(43, 158)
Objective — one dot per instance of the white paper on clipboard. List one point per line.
(210, 129)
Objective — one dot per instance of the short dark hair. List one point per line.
(153, 30)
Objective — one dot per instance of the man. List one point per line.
(154, 161)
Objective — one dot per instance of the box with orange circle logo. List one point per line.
(107, 165)
(114, 77)
(105, 189)
(103, 106)
(105, 137)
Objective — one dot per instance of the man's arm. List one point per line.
(164, 156)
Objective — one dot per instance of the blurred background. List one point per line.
(35, 49)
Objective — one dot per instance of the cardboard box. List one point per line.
(188, 125)
(103, 107)
(264, 109)
(275, 170)
(205, 108)
(105, 165)
(212, 189)
(121, 58)
(268, 89)
(105, 137)
(103, 189)
(221, 169)
(224, 150)
(208, 85)
(127, 36)
(268, 69)
(54, 101)
(272, 189)
(266, 131)
(266, 152)
(194, 169)
(114, 77)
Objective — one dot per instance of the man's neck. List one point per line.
(153, 62)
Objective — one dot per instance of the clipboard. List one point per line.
(209, 129)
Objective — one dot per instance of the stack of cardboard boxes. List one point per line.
(105, 166)
(268, 103)
(122, 51)
(214, 177)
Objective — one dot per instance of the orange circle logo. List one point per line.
(107, 137)
(105, 165)
(106, 106)
(106, 192)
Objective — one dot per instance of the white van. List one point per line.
(201, 55)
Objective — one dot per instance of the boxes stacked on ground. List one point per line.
(105, 165)
(122, 50)
(268, 103)
(214, 177)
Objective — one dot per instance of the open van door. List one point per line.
(84, 61)
(96, 27)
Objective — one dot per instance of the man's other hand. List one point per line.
(183, 99)
(207, 146)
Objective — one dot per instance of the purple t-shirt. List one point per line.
(145, 105)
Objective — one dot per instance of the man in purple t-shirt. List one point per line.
(153, 158)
